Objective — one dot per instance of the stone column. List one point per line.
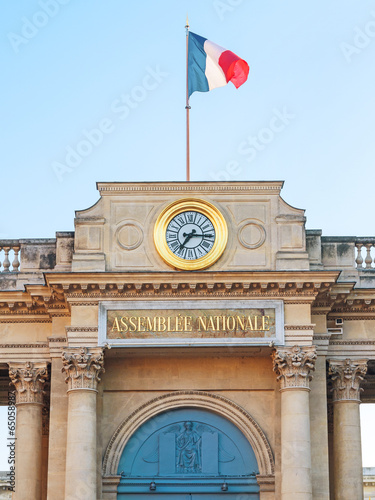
(293, 366)
(346, 376)
(28, 379)
(82, 367)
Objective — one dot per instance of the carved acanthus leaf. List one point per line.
(29, 380)
(82, 367)
(293, 366)
(347, 376)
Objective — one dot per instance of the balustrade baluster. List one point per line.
(359, 259)
(6, 263)
(16, 262)
(368, 259)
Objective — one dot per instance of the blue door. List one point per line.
(188, 454)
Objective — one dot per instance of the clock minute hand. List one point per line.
(205, 235)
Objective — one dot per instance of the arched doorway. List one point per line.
(188, 453)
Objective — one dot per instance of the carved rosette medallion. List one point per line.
(347, 376)
(82, 367)
(29, 380)
(293, 366)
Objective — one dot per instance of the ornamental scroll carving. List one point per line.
(347, 376)
(82, 367)
(293, 366)
(29, 380)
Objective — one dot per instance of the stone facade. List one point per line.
(283, 348)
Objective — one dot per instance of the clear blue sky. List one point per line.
(69, 67)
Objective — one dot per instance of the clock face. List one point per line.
(190, 235)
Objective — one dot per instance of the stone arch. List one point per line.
(190, 399)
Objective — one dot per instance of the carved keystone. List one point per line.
(347, 376)
(28, 379)
(293, 366)
(82, 367)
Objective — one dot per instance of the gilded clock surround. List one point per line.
(191, 204)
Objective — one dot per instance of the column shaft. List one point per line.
(295, 443)
(347, 450)
(29, 452)
(81, 450)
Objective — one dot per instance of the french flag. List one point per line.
(211, 66)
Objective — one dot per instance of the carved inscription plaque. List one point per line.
(185, 323)
(191, 323)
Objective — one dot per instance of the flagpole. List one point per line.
(187, 107)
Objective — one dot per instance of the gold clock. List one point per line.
(190, 234)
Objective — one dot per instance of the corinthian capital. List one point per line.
(82, 367)
(293, 366)
(28, 379)
(347, 376)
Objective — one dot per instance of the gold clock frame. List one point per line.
(211, 212)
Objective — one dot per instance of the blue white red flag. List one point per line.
(211, 66)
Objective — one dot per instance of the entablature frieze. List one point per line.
(33, 352)
(41, 303)
(354, 349)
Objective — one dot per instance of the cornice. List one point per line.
(318, 277)
(352, 342)
(321, 337)
(299, 327)
(92, 287)
(239, 187)
(16, 318)
(73, 329)
(23, 346)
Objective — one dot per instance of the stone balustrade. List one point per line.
(37, 254)
(365, 253)
(9, 255)
(346, 253)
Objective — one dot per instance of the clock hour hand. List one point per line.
(187, 238)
